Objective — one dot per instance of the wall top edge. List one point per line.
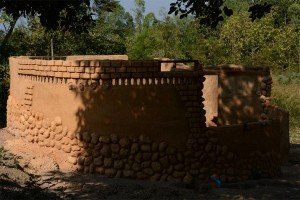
(246, 125)
(37, 59)
(235, 68)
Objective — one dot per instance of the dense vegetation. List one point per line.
(273, 41)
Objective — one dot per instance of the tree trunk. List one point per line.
(8, 34)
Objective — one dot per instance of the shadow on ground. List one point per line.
(87, 186)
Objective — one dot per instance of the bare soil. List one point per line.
(28, 171)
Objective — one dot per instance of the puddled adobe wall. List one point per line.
(125, 118)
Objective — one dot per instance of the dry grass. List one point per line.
(286, 94)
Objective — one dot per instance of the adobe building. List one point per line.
(126, 118)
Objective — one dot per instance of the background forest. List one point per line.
(272, 41)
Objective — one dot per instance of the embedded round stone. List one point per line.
(145, 147)
(164, 161)
(149, 171)
(88, 160)
(208, 147)
(108, 162)
(162, 146)
(58, 121)
(171, 150)
(145, 139)
(128, 173)
(65, 131)
(66, 149)
(115, 148)
(154, 147)
(134, 148)
(94, 138)
(263, 86)
(58, 137)
(155, 156)
(124, 152)
(118, 164)
(141, 175)
(110, 172)
(72, 160)
(104, 139)
(98, 161)
(156, 166)
(124, 142)
(76, 148)
(187, 179)
(58, 129)
(86, 137)
(47, 134)
(114, 138)
(80, 160)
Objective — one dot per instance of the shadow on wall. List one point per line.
(130, 129)
(243, 94)
(155, 112)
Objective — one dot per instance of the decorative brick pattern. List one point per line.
(28, 97)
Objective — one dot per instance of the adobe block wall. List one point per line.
(128, 119)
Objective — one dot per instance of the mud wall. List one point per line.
(282, 115)
(243, 93)
(125, 118)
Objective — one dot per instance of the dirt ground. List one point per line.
(28, 171)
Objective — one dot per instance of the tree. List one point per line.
(111, 30)
(49, 11)
(9, 24)
(72, 15)
(139, 11)
(210, 12)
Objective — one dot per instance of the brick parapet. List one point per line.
(97, 70)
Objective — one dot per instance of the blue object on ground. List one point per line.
(217, 181)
